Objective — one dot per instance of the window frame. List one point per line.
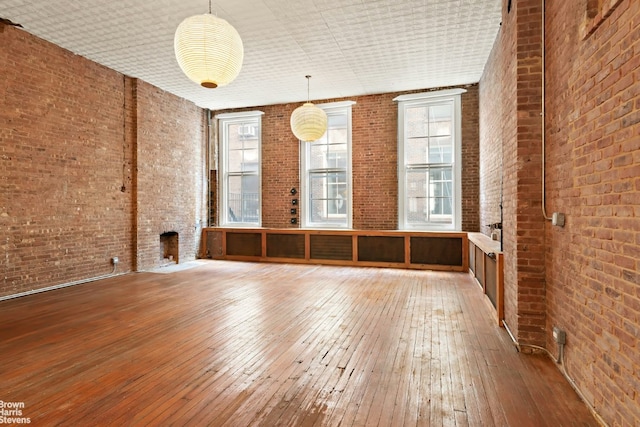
(440, 97)
(341, 107)
(225, 120)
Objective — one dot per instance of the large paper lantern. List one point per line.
(209, 50)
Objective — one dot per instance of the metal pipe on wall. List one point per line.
(543, 115)
(64, 285)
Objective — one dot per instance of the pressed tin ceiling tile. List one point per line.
(350, 47)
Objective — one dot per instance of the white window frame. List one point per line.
(425, 99)
(224, 120)
(340, 107)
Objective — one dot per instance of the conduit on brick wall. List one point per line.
(560, 360)
(543, 118)
(64, 285)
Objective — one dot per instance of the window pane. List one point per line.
(243, 160)
(337, 129)
(243, 146)
(440, 150)
(324, 156)
(416, 197)
(417, 209)
(235, 160)
(317, 185)
(243, 198)
(337, 159)
(328, 197)
(234, 140)
(416, 150)
(416, 122)
(234, 194)
(337, 193)
(337, 121)
(250, 161)
(429, 196)
(239, 131)
(337, 136)
(440, 118)
(250, 143)
(317, 155)
(441, 195)
(316, 210)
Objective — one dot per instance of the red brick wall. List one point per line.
(374, 168)
(529, 218)
(593, 176)
(588, 283)
(498, 153)
(170, 185)
(495, 97)
(62, 151)
(374, 136)
(471, 159)
(510, 159)
(69, 202)
(280, 166)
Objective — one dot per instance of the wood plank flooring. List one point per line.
(244, 344)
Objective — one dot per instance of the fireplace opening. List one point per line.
(169, 248)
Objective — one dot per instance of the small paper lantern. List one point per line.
(308, 122)
(209, 50)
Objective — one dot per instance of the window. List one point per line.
(240, 141)
(326, 172)
(429, 160)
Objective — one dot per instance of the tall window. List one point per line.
(429, 147)
(326, 172)
(240, 141)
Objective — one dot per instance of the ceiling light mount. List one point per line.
(308, 122)
(208, 49)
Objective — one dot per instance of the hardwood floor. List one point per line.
(239, 344)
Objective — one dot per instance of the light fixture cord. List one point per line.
(209, 7)
(308, 80)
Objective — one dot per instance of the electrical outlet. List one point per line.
(557, 219)
(115, 260)
(559, 335)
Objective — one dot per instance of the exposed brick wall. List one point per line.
(593, 176)
(374, 136)
(71, 135)
(471, 159)
(280, 166)
(511, 162)
(590, 269)
(498, 153)
(64, 157)
(170, 186)
(375, 162)
(529, 218)
(494, 102)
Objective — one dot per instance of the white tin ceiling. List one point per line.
(349, 47)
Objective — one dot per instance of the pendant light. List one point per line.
(208, 49)
(308, 122)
